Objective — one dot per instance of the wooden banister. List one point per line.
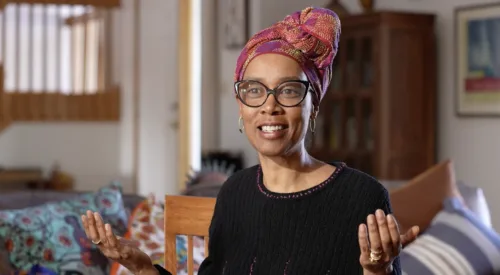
(90, 96)
(56, 106)
(4, 104)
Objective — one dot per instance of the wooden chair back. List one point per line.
(188, 216)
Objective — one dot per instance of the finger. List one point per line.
(100, 228)
(111, 238)
(373, 234)
(394, 231)
(383, 229)
(410, 236)
(85, 226)
(364, 246)
(94, 236)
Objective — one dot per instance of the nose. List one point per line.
(271, 106)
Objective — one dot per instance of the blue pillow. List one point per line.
(456, 242)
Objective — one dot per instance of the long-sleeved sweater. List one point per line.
(255, 231)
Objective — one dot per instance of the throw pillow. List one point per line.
(474, 199)
(418, 202)
(52, 235)
(457, 242)
(146, 228)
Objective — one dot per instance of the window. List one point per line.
(53, 48)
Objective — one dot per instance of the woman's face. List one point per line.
(274, 130)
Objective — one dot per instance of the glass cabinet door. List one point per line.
(346, 113)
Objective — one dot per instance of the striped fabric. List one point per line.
(456, 243)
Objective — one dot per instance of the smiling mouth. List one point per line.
(272, 128)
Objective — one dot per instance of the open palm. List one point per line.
(122, 251)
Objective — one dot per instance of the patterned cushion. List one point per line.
(457, 242)
(5, 267)
(146, 226)
(52, 235)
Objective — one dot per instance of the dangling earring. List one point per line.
(240, 124)
(312, 125)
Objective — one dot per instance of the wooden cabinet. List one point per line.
(379, 114)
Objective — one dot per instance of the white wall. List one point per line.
(95, 153)
(471, 143)
(88, 150)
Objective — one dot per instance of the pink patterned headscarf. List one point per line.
(309, 36)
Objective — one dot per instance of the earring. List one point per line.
(312, 125)
(240, 124)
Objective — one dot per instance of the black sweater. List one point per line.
(255, 231)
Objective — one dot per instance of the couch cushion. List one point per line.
(146, 227)
(457, 242)
(417, 202)
(20, 199)
(52, 235)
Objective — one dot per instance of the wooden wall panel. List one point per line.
(102, 106)
(4, 104)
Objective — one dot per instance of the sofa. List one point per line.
(63, 236)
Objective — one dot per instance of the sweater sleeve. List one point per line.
(211, 264)
(162, 270)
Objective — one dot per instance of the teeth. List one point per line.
(272, 128)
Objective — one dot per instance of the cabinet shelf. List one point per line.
(379, 109)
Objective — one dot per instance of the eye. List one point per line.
(292, 90)
(289, 91)
(253, 91)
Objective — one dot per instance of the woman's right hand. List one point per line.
(117, 249)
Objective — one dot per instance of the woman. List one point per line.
(292, 214)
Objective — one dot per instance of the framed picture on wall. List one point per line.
(477, 60)
(235, 16)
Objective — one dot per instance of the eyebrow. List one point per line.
(281, 79)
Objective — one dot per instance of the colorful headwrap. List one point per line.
(309, 36)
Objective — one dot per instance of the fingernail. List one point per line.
(394, 220)
(379, 213)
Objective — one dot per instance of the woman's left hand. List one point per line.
(381, 242)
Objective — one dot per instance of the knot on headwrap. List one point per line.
(309, 36)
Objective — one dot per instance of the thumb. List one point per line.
(410, 236)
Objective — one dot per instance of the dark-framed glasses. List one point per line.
(289, 93)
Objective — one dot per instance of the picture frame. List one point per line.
(477, 60)
(236, 29)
